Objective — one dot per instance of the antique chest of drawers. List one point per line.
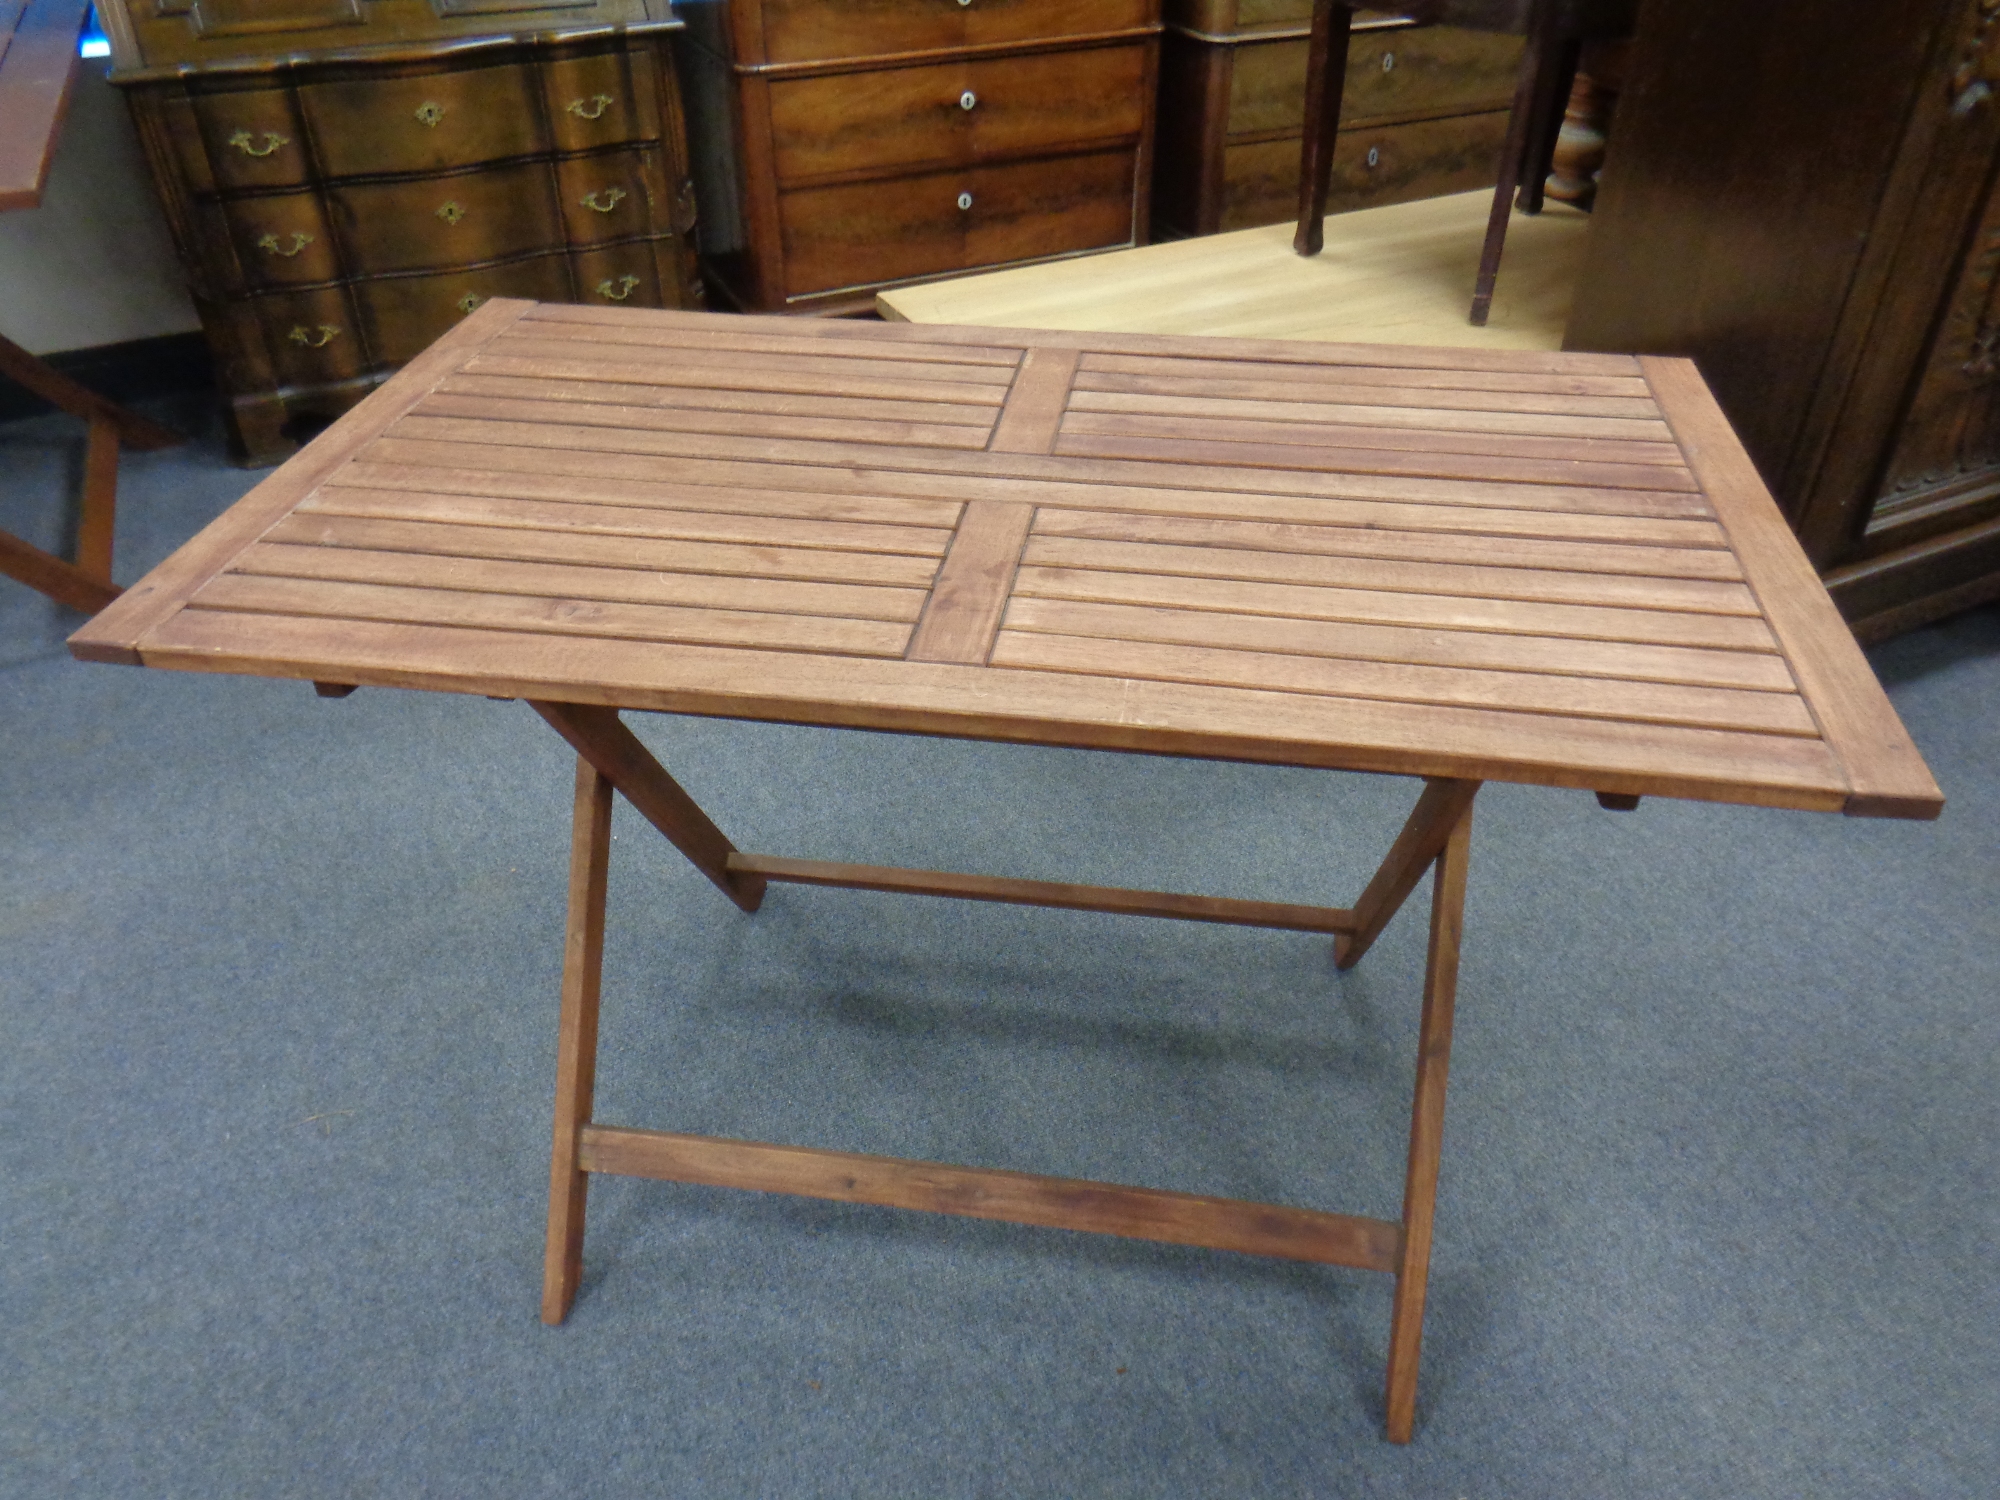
(345, 179)
(1424, 113)
(844, 145)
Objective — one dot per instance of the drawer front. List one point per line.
(1421, 160)
(277, 240)
(311, 337)
(423, 123)
(447, 221)
(956, 112)
(1405, 71)
(602, 99)
(625, 193)
(252, 138)
(403, 315)
(871, 232)
(811, 30)
(620, 276)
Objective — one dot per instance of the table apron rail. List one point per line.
(1047, 893)
(986, 1193)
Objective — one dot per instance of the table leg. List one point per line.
(576, 1043)
(1438, 811)
(1406, 1325)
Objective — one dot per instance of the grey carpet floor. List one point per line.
(1720, 1210)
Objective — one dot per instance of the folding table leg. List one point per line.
(1406, 1325)
(576, 1043)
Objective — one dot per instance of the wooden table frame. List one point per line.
(611, 758)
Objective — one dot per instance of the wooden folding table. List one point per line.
(1557, 569)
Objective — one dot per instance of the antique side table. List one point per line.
(1461, 566)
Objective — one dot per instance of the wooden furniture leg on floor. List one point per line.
(1436, 836)
(84, 584)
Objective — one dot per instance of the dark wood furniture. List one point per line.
(345, 180)
(1557, 569)
(847, 145)
(38, 61)
(1423, 113)
(1809, 211)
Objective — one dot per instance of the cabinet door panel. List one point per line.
(956, 112)
(873, 232)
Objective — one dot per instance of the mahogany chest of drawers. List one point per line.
(345, 179)
(845, 145)
(1424, 113)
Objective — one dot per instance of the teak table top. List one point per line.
(1497, 565)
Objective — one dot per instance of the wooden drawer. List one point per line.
(310, 337)
(251, 138)
(871, 232)
(1419, 160)
(423, 122)
(601, 99)
(402, 315)
(1424, 70)
(625, 275)
(446, 221)
(275, 240)
(611, 197)
(813, 30)
(956, 112)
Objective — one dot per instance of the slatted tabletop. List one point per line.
(1534, 567)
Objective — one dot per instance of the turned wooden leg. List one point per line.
(1535, 60)
(1406, 1325)
(576, 1044)
(1326, 80)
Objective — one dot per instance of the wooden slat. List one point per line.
(1714, 563)
(447, 477)
(1069, 897)
(1887, 776)
(562, 581)
(622, 520)
(1444, 648)
(539, 359)
(1268, 666)
(751, 356)
(1469, 580)
(115, 634)
(816, 403)
(594, 618)
(1034, 410)
(751, 425)
(1526, 394)
(590, 325)
(1432, 465)
(1354, 370)
(801, 563)
(1031, 707)
(987, 1193)
(972, 585)
(1205, 407)
(1384, 607)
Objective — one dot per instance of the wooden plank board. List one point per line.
(38, 63)
(1540, 588)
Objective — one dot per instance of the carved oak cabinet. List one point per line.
(345, 179)
(846, 145)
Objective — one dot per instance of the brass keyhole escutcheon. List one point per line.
(605, 201)
(470, 302)
(314, 338)
(592, 108)
(271, 242)
(450, 211)
(430, 112)
(617, 288)
(245, 142)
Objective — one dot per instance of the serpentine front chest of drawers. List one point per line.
(345, 179)
(846, 145)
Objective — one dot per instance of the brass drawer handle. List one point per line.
(592, 108)
(605, 201)
(271, 242)
(313, 338)
(450, 211)
(617, 288)
(470, 302)
(430, 112)
(245, 142)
